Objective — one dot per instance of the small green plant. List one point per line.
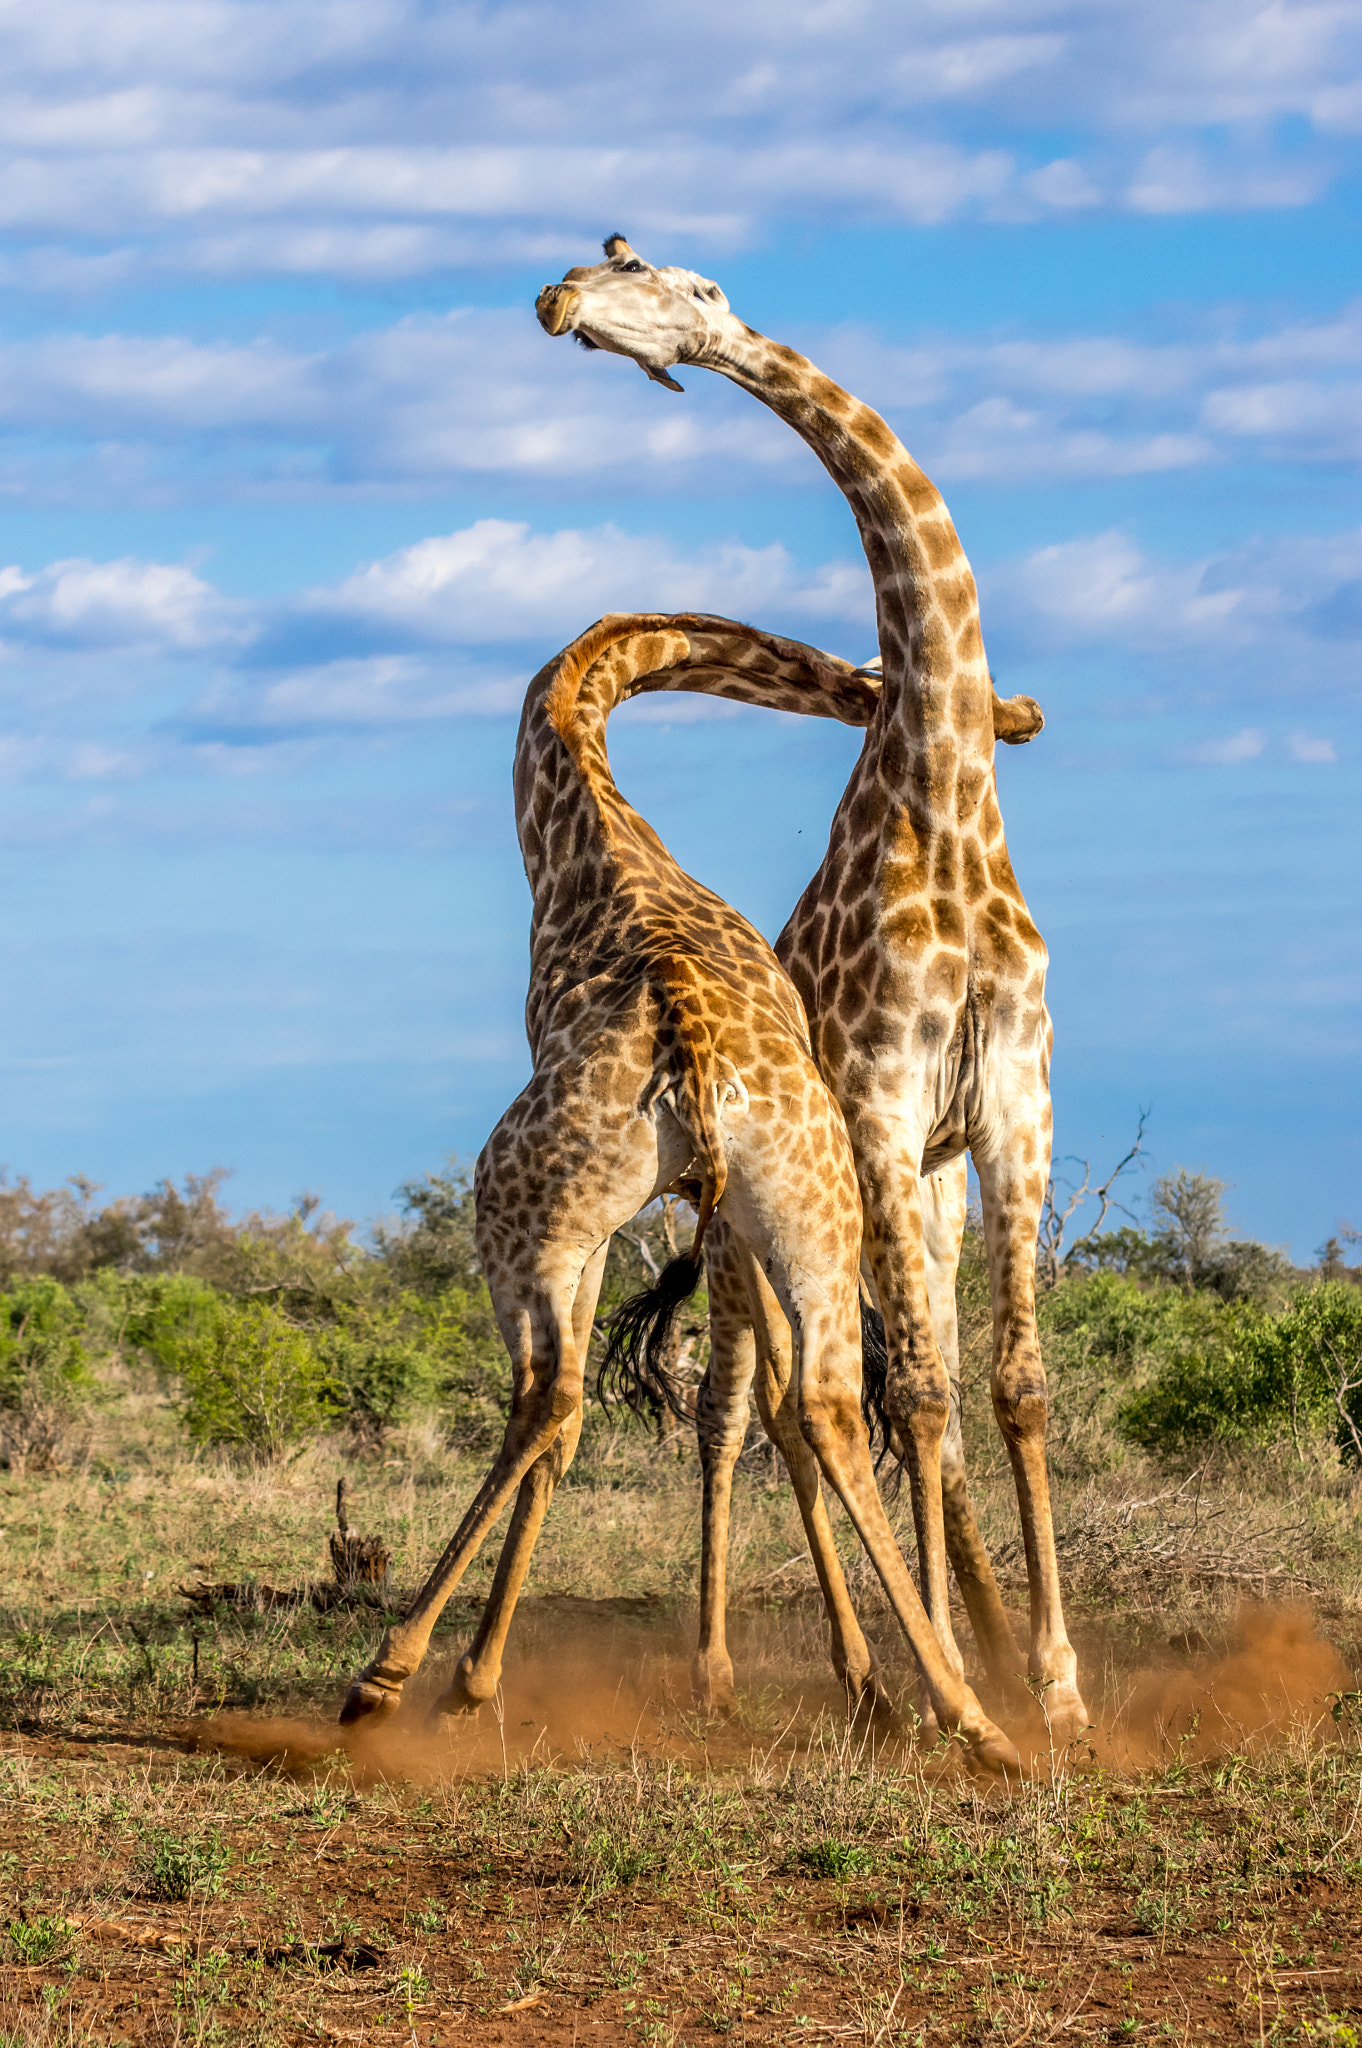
(175, 1870)
(44, 1939)
(618, 1862)
(831, 1858)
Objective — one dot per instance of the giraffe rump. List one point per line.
(637, 1368)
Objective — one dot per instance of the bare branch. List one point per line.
(1051, 1253)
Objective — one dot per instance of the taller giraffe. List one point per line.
(919, 964)
(669, 1047)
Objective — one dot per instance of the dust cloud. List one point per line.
(1274, 1681)
(587, 1693)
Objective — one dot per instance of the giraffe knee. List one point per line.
(830, 1419)
(1022, 1411)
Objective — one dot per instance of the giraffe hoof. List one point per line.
(869, 1705)
(1066, 1717)
(711, 1687)
(991, 1751)
(467, 1690)
(367, 1701)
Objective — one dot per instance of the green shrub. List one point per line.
(161, 1315)
(1272, 1374)
(249, 1377)
(45, 1375)
(174, 1870)
(44, 1939)
(831, 1858)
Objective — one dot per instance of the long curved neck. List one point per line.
(575, 827)
(926, 603)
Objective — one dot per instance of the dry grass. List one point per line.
(590, 1861)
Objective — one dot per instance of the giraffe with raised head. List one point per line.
(670, 1050)
(921, 970)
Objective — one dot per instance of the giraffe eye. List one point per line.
(634, 267)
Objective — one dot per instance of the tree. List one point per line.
(1193, 1226)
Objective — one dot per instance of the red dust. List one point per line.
(1276, 1679)
(566, 1703)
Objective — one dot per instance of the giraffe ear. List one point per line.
(660, 377)
(1016, 719)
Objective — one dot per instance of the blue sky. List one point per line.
(295, 496)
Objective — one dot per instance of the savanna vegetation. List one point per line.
(186, 1855)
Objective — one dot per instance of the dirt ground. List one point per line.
(591, 1862)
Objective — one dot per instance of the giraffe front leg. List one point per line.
(917, 1388)
(1012, 1186)
(944, 1204)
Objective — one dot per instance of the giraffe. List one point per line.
(823, 685)
(670, 1048)
(921, 970)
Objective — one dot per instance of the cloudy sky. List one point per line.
(295, 495)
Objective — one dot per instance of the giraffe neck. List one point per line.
(600, 877)
(562, 749)
(927, 609)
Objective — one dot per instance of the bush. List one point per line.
(175, 1870)
(44, 1939)
(1298, 1371)
(44, 1372)
(161, 1315)
(248, 1377)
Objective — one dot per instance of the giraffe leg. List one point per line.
(944, 1196)
(820, 1297)
(918, 1388)
(546, 1203)
(1012, 1184)
(830, 1421)
(478, 1671)
(721, 1427)
(852, 1658)
(548, 1393)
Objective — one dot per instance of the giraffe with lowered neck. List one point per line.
(670, 1050)
(921, 970)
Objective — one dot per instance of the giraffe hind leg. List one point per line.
(721, 1414)
(542, 1215)
(1012, 1184)
(478, 1671)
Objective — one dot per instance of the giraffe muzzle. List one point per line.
(555, 307)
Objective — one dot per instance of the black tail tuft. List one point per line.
(637, 1367)
(874, 1381)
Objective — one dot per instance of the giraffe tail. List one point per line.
(874, 1381)
(642, 1339)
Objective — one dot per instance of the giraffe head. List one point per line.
(659, 317)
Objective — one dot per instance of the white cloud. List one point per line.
(496, 580)
(118, 670)
(362, 131)
(1231, 752)
(481, 392)
(125, 604)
